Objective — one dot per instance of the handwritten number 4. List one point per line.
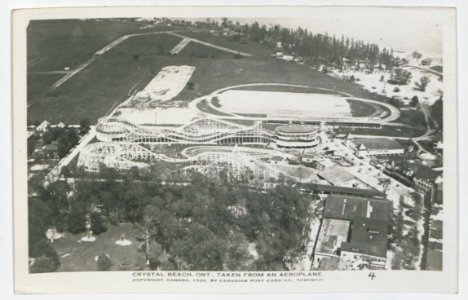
(372, 275)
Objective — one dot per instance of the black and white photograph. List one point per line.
(227, 145)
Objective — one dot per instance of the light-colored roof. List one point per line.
(44, 124)
(336, 175)
(333, 233)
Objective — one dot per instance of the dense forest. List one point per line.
(204, 225)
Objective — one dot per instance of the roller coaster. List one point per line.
(124, 156)
(201, 131)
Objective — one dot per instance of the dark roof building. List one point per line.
(426, 173)
(425, 179)
(367, 242)
(51, 150)
(378, 143)
(356, 230)
(344, 190)
(351, 207)
(368, 237)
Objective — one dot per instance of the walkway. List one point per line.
(54, 174)
(81, 67)
(179, 47)
(211, 45)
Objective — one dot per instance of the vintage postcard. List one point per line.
(235, 149)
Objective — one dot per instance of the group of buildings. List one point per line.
(353, 234)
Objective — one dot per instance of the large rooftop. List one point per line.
(368, 237)
(350, 207)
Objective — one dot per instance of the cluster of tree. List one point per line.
(437, 112)
(405, 245)
(39, 214)
(321, 48)
(399, 76)
(205, 225)
(66, 138)
(422, 84)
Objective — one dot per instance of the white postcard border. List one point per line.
(333, 281)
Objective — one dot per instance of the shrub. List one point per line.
(422, 84)
(76, 222)
(46, 260)
(154, 264)
(43, 248)
(98, 225)
(45, 265)
(190, 85)
(103, 263)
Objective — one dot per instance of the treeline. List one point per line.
(321, 48)
(315, 48)
(205, 225)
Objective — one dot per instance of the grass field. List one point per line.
(229, 42)
(107, 81)
(55, 44)
(196, 50)
(290, 89)
(80, 256)
(361, 109)
(213, 74)
(133, 63)
(37, 84)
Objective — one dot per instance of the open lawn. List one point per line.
(196, 50)
(243, 45)
(55, 44)
(213, 74)
(80, 256)
(284, 88)
(362, 109)
(414, 118)
(38, 84)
